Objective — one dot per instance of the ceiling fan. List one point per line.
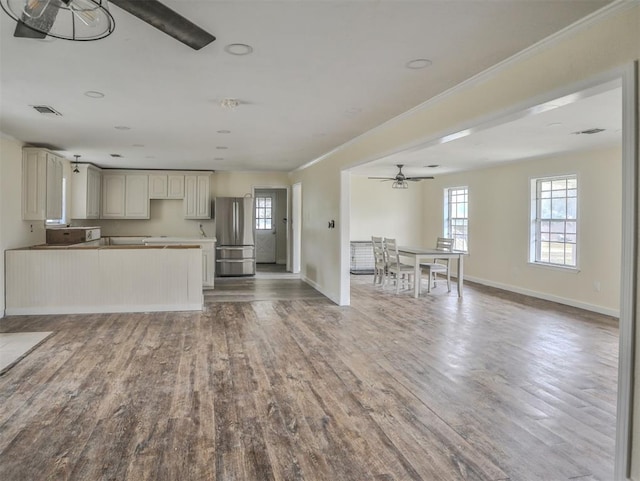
(400, 180)
(35, 19)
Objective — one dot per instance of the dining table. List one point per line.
(421, 254)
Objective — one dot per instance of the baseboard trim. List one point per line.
(39, 311)
(547, 297)
(317, 287)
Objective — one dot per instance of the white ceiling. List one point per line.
(321, 73)
(548, 129)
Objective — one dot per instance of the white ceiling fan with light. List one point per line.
(85, 20)
(400, 181)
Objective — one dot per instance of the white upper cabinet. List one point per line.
(197, 197)
(166, 186)
(136, 196)
(42, 173)
(125, 195)
(175, 186)
(86, 188)
(157, 186)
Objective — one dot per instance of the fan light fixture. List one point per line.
(400, 184)
(77, 20)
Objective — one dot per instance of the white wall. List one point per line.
(499, 215)
(379, 210)
(14, 232)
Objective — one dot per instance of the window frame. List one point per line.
(264, 209)
(535, 222)
(447, 224)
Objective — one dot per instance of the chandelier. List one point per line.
(77, 20)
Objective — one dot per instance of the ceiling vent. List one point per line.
(46, 110)
(589, 131)
(116, 156)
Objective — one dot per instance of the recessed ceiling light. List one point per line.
(433, 166)
(222, 147)
(353, 110)
(238, 49)
(229, 103)
(138, 145)
(218, 158)
(554, 124)
(150, 157)
(418, 63)
(224, 131)
(122, 127)
(94, 94)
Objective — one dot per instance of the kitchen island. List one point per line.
(93, 279)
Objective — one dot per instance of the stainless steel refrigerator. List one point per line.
(235, 251)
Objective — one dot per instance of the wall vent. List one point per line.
(589, 131)
(46, 110)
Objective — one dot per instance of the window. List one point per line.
(63, 220)
(264, 213)
(554, 221)
(456, 216)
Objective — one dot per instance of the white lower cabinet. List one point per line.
(125, 196)
(207, 246)
(42, 173)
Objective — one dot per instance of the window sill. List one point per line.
(553, 267)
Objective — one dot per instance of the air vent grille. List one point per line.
(589, 131)
(116, 156)
(46, 110)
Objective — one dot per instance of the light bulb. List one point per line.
(85, 11)
(35, 8)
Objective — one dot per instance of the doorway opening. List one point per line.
(271, 222)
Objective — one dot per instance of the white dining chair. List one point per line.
(380, 260)
(396, 270)
(439, 266)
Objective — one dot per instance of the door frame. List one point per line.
(286, 188)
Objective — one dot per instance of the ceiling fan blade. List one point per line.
(166, 20)
(416, 179)
(37, 20)
(380, 178)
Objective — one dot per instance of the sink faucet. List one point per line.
(202, 232)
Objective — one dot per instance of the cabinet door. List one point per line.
(34, 185)
(190, 196)
(94, 188)
(175, 186)
(157, 186)
(203, 208)
(208, 264)
(137, 196)
(113, 195)
(54, 187)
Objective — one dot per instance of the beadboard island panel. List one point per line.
(104, 279)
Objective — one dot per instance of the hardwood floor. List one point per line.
(493, 386)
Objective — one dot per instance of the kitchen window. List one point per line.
(554, 221)
(456, 216)
(264, 213)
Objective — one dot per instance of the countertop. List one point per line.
(176, 240)
(89, 247)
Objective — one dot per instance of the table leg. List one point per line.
(460, 275)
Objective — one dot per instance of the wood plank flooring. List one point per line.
(494, 386)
